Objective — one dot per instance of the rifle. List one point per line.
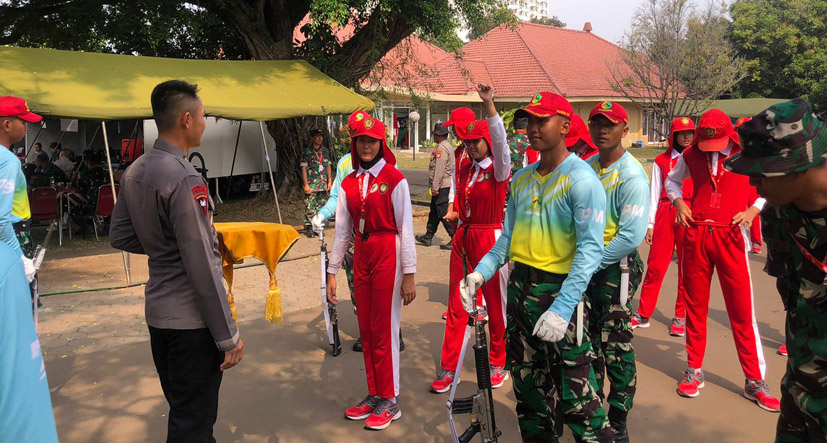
(331, 316)
(37, 259)
(480, 405)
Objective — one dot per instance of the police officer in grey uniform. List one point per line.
(165, 211)
(440, 176)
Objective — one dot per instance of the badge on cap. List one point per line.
(685, 121)
(710, 132)
(536, 100)
(359, 117)
(368, 123)
(606, 106)
(470, 127)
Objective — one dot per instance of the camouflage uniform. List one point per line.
(24, 237)
(316, 161)
(517, 144)
(553, 382)
(784, 139)
(610, 321)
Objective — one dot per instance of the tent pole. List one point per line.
(114, 196)
(232, 166)
(270, 169)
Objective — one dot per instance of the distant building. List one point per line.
(526, 10)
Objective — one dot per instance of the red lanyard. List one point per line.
(712, 177)
(319, 155)
(807, 254)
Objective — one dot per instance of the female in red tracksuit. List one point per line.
(578, 139)
(479, 201)
(375, 202)
(664, 232)
(716, 239)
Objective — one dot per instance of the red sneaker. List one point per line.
(756, 248)
(678, 328)
(498, 376)
(759, 392)
(782, 350)
(692, 381)
(445, 315)
(385, 413)
(363, 409)
(639, 322)
(443, 382)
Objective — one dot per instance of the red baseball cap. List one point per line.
(546, 104)
(611, 110)
(372, 128)
(741, 121)
(16, 107)
(715, 131)
(458, 115)
(474, 130)
(579, 131)
(355, 118)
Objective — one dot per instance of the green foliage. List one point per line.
(489, 18)
(784, 44)
(549, 21)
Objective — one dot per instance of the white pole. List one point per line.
(114, 196)
(270, 169)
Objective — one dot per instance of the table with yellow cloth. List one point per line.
(267, 242)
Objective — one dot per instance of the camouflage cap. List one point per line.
(784, 138)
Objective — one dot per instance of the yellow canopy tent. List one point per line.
(115, 87)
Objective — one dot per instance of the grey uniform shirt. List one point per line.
(164, 211)
(441, 168)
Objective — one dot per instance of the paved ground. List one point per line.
(289, 389)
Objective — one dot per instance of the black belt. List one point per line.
(22, 225)
(529, 273)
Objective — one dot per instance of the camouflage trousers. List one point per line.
(312, 203)
(553, 382)
(803, 415)
(610, 327)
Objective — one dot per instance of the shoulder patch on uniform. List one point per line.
(202, 198)
(383, 188)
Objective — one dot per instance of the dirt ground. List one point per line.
(289, 388)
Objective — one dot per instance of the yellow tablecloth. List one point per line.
(267, 242)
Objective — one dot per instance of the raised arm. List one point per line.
(500, 154)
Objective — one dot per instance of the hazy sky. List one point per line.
(610, 18)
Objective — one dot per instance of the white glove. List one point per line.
(469, 286)
(28, 265)
(317, 222)
(551, 327)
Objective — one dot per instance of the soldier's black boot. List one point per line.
(358, 345)
(424, 239)
(617, 421)
(401, 342)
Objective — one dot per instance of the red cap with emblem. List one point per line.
(475, 130)
(680, 124)
(611, 110)
(372, 128)
(715, 131)
(355, 118)
(460, 115)
(16, 107)
(546, 104)
(579, 131)
(741, 121)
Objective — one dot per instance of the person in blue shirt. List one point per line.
(620, 270)
(553, 234)
(25, 406)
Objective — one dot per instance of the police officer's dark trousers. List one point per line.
(439, 208)
(187, 361)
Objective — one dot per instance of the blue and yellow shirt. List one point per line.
(343, 168)
(553, 223)
(14, 199)
(627, 206)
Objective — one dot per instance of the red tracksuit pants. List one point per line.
(666, 235)
(725, 249)
(377, 283)
(476, 241)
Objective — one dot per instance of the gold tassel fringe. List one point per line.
(272, 310)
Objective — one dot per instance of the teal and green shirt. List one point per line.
(14, 199)
(553, 223)
(627, 206)
(343, 168)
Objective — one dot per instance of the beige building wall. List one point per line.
(583, 107)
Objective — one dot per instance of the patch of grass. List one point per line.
(404, 158)
(646, 153)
